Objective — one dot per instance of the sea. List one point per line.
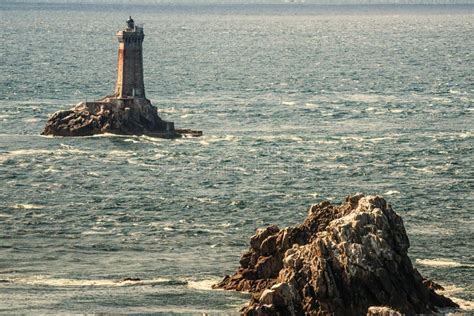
(298, 103)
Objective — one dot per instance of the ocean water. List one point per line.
(298, 104)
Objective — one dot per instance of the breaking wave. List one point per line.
(442, 263)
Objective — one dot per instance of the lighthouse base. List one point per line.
(132, 116)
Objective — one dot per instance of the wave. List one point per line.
(450, 291)
(173, 110)
(368, 98)
(378, 98)
(430, 230)
(35, 152)
(206, 140)
(109, 135)
(392, 192)
(465, 305)
(120, 153)
(131, 140)
(32, 120)
(204, 284)
(27, 206)
(25, 152)
(63, 282)
(280, 137)
(442, 263)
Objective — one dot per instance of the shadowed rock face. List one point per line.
(116, 116)
(343, 260)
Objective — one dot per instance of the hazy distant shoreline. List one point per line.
(237, 7)
(317, 2)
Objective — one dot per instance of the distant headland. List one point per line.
(127, 111)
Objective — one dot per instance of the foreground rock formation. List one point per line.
(349, 259)
(134, 116)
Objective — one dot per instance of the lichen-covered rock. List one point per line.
(349, 259)
(134, 116)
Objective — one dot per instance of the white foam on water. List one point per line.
(423, 170)
(92, 174)
(151, 139)
(27, 206)
(173, 110)
(51, 170)
(120, 153)
(464, 304)
(160, 155)
(35, 152)
(203, 284)
(230, 137)
(441, 99)
(429, 230)
(71, 150)
(131, 140)
(397, 110)
(205, 200)
(381, 139)
(31, 120)
(392, 192)
(326, 142)
(95, 233)
(368, 98)
(206, 140)
(452, 290)
(288, 103)
(26, 152)
(280, 137)
(442, 263)
(353, 138)
(108, 135)
(62, 282)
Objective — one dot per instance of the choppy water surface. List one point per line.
(297, 105)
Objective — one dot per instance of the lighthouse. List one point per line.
(127, 111)
(130, 82)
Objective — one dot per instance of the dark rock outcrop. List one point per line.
(134, 116)
(349, 259)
